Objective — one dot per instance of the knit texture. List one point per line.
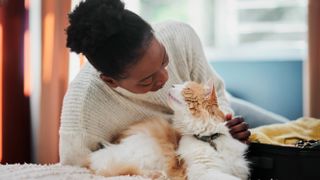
(93, 112)
(53, 172)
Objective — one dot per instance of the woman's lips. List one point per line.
(158, 87)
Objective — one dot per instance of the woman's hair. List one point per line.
(111, 37)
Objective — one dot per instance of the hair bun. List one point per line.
(92, 22)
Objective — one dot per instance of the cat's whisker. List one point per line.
(174, 99)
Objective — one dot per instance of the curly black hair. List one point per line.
(110, 36)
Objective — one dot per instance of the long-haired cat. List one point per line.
(206, 146)
(197, 147)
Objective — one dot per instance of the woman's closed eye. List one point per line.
(147, 82)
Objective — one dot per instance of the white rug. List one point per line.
(52, 172)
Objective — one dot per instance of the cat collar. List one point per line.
(209, 139)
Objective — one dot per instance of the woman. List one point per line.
(132, 66)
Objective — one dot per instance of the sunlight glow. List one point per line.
(82, 60)
(26, 65)
(26, 57)
(26, 4)
(48, 47)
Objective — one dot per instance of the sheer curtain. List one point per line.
(54, 77)
(313, 66)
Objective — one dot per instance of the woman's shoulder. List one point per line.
(84, 103)
(86, 87)
(175, 33)
(171, 25)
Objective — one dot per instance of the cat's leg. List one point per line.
(110, 162)
(207, 174)
(216, 176)
(200, 160)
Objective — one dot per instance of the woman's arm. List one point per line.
(80, 115)
(74, 148)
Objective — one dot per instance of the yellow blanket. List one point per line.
(288, 133)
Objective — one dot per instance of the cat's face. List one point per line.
(198, 100)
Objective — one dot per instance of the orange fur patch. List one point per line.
(200, 103)
(167, 138)
(121, 170)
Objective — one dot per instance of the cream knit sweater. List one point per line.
(92, 111)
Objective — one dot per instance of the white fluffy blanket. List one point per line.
(52, 172)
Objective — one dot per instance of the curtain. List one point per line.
(54, 76)
(313, 65)
(15, 109)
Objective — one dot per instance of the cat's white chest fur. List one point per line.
(225, 161)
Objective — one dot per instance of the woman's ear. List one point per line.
(109, 81)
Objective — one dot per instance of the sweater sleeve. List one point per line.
(76, 140)
(75, 147)
(75, 143)
(202, 71)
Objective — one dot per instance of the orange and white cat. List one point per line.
(206, 146)
(196, 146)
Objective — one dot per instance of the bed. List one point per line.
(52, 172)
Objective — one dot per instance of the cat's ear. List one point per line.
(211, 92)
(209, 87)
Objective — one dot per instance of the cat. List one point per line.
(206, 146)
(196, 146)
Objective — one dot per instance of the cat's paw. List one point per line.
(155, 175)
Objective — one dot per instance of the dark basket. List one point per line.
(283, 163)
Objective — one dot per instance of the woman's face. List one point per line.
(149, 73)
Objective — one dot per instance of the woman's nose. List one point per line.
(163, 76)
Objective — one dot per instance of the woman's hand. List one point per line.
(238, 128)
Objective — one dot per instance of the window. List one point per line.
(231, 27)
(225, 24)
(271, 21)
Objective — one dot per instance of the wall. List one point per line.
(274, 84)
